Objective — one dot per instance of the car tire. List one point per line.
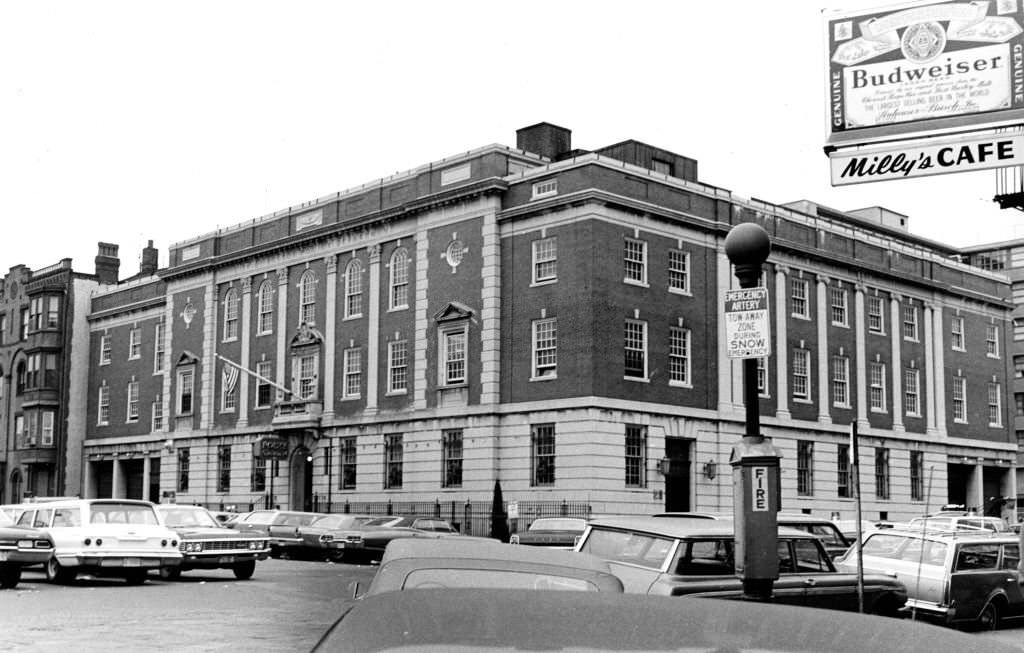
(58, 573)
(244, 570)
(989, 617)
(10, 575)
(170, 573)
(886, 606)
(135, 577)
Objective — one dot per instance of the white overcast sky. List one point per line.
(128, 121)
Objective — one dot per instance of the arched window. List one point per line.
(354, 289)
(399, 279)
(231, 314)
(307, 298)
(265, 308)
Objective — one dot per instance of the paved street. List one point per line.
(286, 606)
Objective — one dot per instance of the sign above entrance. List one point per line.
(747, 333)
(934, 156)
(270, 447)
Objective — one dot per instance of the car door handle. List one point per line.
(810, 582)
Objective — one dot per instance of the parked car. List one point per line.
(953, 577)
(960, 521)
(677, 557)
(412, 521)
(206, 544)
(836, 543)
(103, 537)
(283, 531)
(255, 520)
(492, 620)
(552, 533)
(377, 538)
(20, 547)
(465, 562)
(332, 536)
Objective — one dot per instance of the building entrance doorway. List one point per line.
(301, 479)
(677, 475)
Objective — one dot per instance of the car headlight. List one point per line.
(25, 544)
(254, 545)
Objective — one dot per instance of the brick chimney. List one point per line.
(149, 260)
(545, 139)
(107, 263)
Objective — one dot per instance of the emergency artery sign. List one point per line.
(747, 333)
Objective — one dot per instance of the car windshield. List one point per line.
(556, 524)
(188, 517)
(122, 513)
(337, 521)
(379, 521)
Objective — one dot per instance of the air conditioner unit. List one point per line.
(31, 441)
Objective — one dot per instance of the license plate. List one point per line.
(226, 560)
(338, 545)
(132, 562)
(3, 556)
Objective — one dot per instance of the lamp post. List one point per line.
(755, 462)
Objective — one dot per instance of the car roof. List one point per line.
(470, 619)
(458, 548)
(684, 527)
(980, 535)
(66, 503)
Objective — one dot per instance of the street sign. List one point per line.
(271, 447)
(747, 332)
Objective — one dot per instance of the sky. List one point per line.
(125, 122)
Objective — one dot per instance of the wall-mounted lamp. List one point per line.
(309, 458)
(710, 470)
(169, 445)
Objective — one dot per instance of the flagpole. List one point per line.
(855, 471)
(251, 373)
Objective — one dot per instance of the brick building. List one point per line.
(546, 317)
(43, 347)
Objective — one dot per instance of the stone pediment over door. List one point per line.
(306, 336)
(187, 358)
(452, 312)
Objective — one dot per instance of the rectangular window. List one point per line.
(876, 314)
(678, 271)
(636, 456)
(105, 349)
(103, 417)
(545, 188)
(545, 260)
(134, 343)
(52, 312)
(24, 323)
(960, 399)
(542, 454)
(992, 341)
(911, 401)
(660, 166)
(841, 381)
(956, 340)
(392, 461)
(258, 476)
(881, 473)
(453, 356)
(843, 472)
(910, 323)
(995, 405)
(805, 468)
(133, 401)
(451, 458)
(3, 328)
(798, 298)
(185, 389)
(916, 476)
(837, 300)
(635, 261)
(348, 463)
(183, 462)
(264, 391)
(307, 369)
(678, 356)
(224, 468)
(399, 280)
(545, 348)
(46, 428)
(635, 362)
(353, 374)
(229, 389)
(50, 379)
(398, 366)
(801, 374)
(159, 348)
(35, 318)
(876, 392)
(19, 429)
(158, 413)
